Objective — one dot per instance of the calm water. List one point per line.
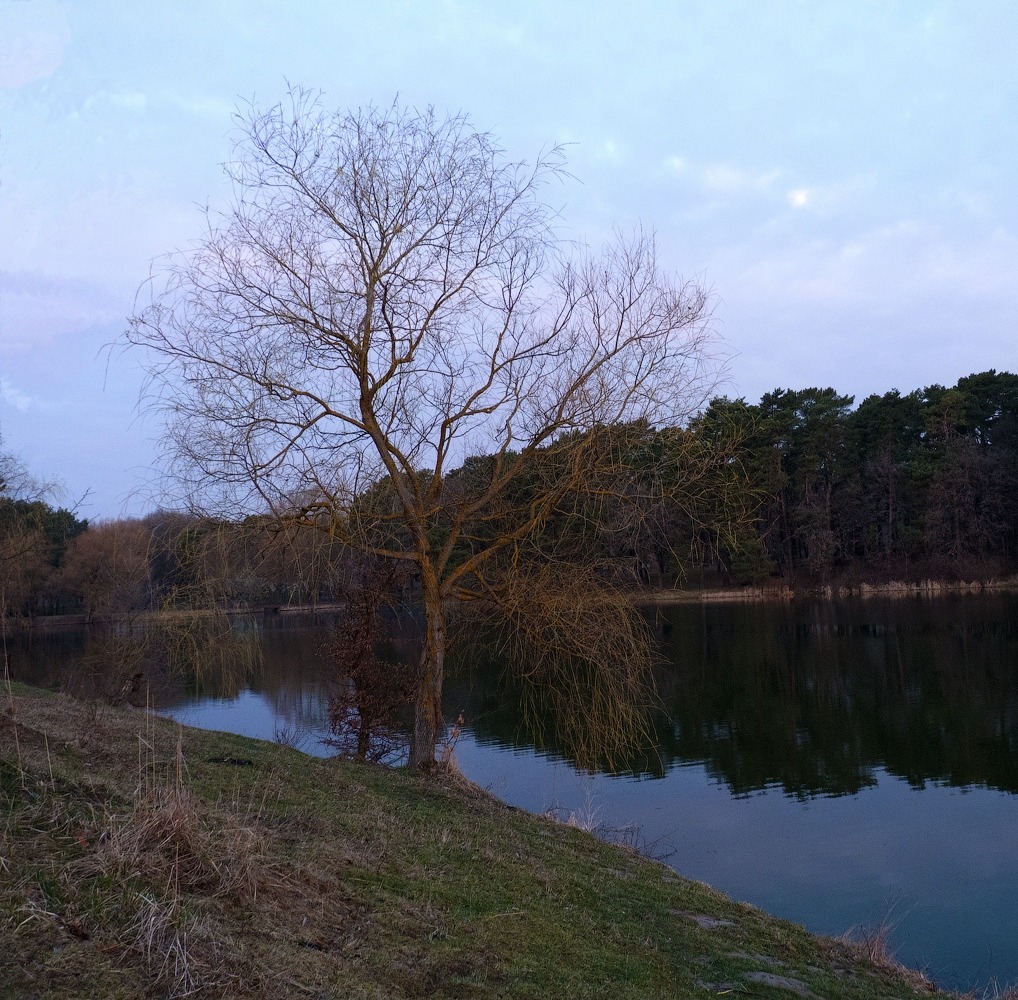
(839, 764)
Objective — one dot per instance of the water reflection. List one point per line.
(286, 698)
(814, 698)
(811, 698)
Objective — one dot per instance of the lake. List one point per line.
(841, 763)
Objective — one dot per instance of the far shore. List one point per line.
(139, 617)
(766, 592)
(783, 592)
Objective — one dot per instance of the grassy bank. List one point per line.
(139, 859)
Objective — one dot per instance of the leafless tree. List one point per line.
(107, 568)
(386, 298)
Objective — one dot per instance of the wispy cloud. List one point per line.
(832, 197)
(725, 178)
(889, 266)
(608, 149)
(33, 37)
(200, 106)
(39, 311)
(779, 186)
(121, 100)
(134, 101)
(13, 396)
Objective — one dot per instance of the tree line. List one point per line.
(903, 487)
(800, 487)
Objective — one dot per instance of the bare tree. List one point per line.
(387, 298)
(12, 473)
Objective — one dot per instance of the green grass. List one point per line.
(139, 859)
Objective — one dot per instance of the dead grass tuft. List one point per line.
(192, 860)
(873, 944)
(179, 948)
(169, 838)
(152, 877)
(993, 991)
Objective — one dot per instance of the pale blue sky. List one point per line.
(841, 174)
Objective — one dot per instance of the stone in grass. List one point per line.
(705, 922)
(763, 959)
(781, 983)
(715, 987)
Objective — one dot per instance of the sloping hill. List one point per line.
(140, 859)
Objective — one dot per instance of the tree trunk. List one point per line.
(428, 698)
(889, 544)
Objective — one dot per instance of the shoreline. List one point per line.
(757, 594)
(783, 593)
(81, 620)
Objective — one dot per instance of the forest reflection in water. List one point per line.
(833, 762)
(809, 697)
(813, 697)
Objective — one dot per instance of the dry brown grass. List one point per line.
(175, 851)
(173, 840)
(149, 873)
(996, 992)
(873, 944)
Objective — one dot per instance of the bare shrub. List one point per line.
(114, 667)
(291, 736)
(447, 748)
